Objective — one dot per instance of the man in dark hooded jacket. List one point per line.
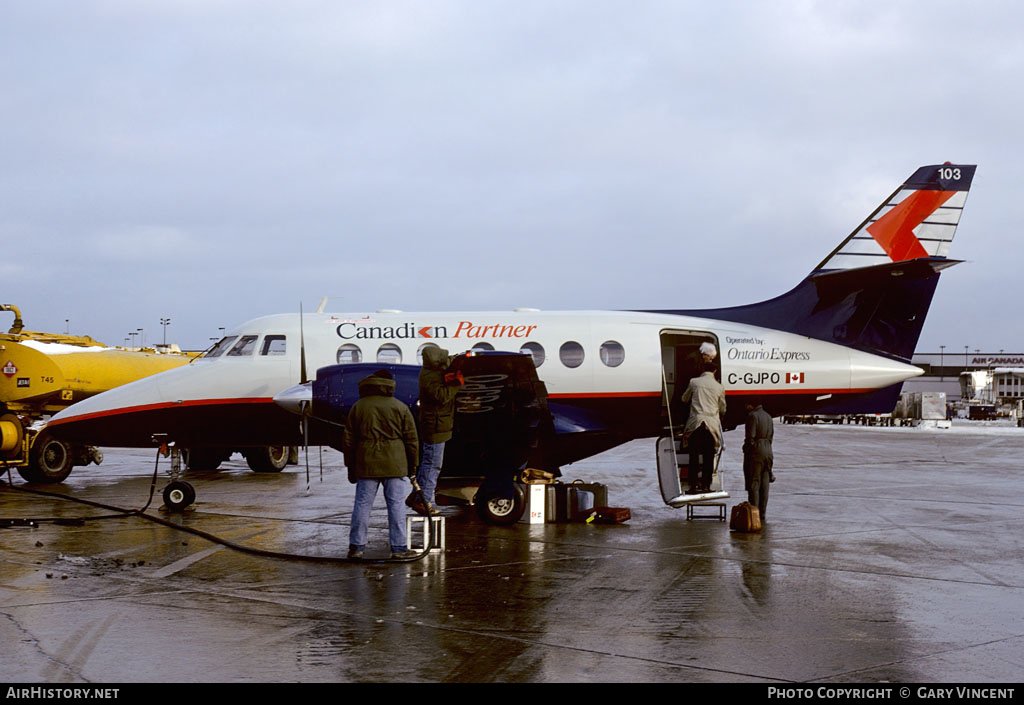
(381, 448)
(437, 416)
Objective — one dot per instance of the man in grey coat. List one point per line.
(703, 431)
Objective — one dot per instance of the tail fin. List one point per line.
(918, 220)
(873, 291)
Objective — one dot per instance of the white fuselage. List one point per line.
(585, 355)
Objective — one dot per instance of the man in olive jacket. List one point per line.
(758, 457)
(437, 416)
(381, 448)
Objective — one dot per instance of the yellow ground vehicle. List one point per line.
(40, 374)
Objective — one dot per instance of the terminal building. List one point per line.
(994, 378)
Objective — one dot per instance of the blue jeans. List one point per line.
(394, 495)
(431, 460)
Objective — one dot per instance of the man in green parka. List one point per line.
(437, 416)
(381, 448)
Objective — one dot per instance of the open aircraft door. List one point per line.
(673, 469)
(680, 360)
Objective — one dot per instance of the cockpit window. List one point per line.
(274, 345)
(245, 346)
(224, 343)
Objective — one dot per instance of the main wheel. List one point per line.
(50, 461)
(502, 511)
(205, 458)
(179, 495)
(267, 458)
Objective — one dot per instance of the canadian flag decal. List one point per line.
(794, 378)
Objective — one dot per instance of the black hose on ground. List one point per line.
(141, 513)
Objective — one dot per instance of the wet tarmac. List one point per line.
(889, 555)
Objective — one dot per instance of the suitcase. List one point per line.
(745, 518)
(569, 502)
(600, 491)
(580, 504)
(612, 515)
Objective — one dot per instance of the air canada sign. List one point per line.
(365, 330)
(1000, 360)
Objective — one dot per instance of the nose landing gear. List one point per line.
(178, 494)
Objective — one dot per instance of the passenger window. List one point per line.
(612, 353)
(535, 349)
(420, 349)
(245, 345)
(221, 346)
(482, 346)
(389, 353)
(571, 354)
(349, 353)
(274, 345)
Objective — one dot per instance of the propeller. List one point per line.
(305, 438)
(302, 349)
(304, 406)
(299, 399)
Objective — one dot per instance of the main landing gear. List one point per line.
(501, 511)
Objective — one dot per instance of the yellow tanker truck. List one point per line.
(41, 374)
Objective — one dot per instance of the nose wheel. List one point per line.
(178, 495)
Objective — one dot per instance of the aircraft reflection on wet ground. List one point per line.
(888, 555)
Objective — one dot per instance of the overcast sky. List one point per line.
(212, 161)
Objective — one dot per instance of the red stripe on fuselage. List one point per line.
(749, 392)
(603, 395)
(158, 407)
(581, 395)
(728, 392)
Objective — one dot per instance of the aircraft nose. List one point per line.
(297, 399)
(104, 419)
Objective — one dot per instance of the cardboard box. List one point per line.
(536, 496)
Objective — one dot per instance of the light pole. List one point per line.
(942, 350)
(165, 322)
